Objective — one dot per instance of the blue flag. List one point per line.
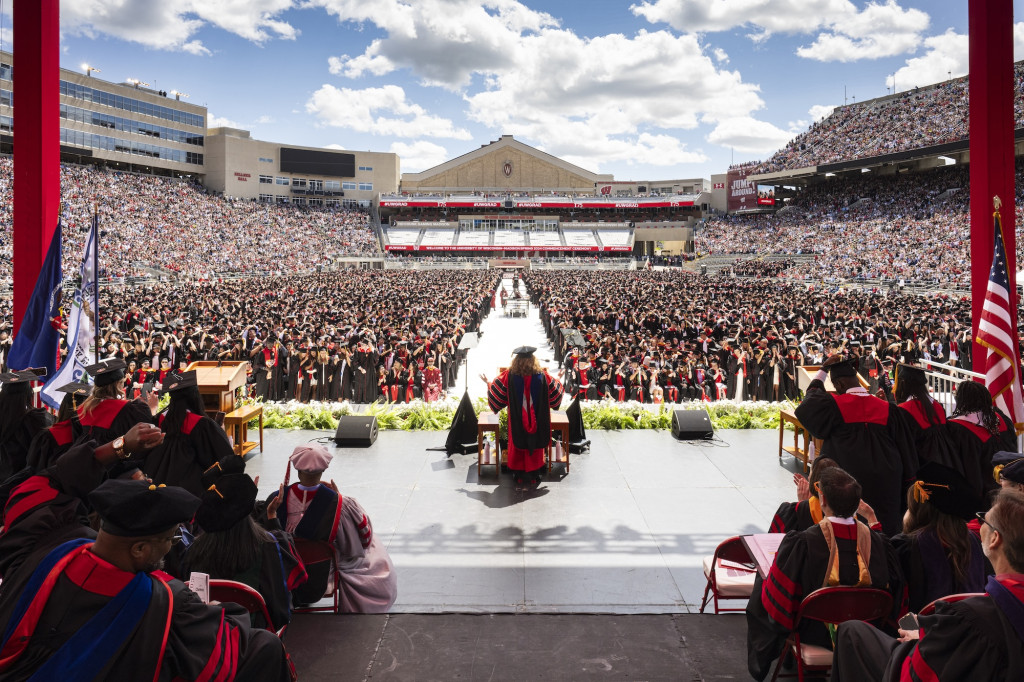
(35, 344)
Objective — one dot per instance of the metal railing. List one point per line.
(943, 381)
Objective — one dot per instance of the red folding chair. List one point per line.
(830, 605)
(950, 599)
(245, 596)
(313, 552)
(728, 581)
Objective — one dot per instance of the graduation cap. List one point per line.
(524, 351)
(1008, 465)
(846, 368)
(177, 381)
(226, 502)
(911, 373)
(228, 464)
(136, 509)
(947, 490)
(76, 388)
(106, 372)
(20, 381)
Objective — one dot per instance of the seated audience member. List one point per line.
(939, 556)
(53, 442)
(315, 511)
(980, 638)
(978, 430)
(20, 423)
(232, 546)
(838, 551)
(193, 442)
(1008, 469)
(84, 604)
(806, 511)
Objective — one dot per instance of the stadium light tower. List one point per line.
(136, 82)
(179, 95)
(89, 69)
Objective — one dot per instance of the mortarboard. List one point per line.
(106, 372)
(947, 490)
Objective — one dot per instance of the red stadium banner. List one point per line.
(545, 249)
(741, 191)
(542, 203)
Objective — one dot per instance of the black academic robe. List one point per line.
(183, 456)
(112, 418)
(187, 639)
(322, 373)
(793, 516)
(868, 438)
(364, 374)
(14, 449)
(276, 572)
(927, 569)
(931, 440)
(51, 443)
(799, 569)
(980, 638)
(973, 447)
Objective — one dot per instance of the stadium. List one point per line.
(219, 301)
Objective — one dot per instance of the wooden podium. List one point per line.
(217, 382)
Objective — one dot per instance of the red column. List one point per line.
(36, 141)
(992, 144)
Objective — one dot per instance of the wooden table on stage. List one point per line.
(801, 453)
(488, 421)
(762, 548)
(217, 383)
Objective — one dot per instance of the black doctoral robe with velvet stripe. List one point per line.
(868, 438)
(931, 440)
(799, 569)
(973, 447)
(178, 637)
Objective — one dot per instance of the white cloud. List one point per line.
(720, 55)
(263, 120)
(748, 135)
(419, 155)
(221, 122)
(172, 25)
(845, 33)
(820, 111)
(380, 111)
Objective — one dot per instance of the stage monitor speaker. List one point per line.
(692, 425)
(356, 432)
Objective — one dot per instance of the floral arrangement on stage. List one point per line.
(597, 414)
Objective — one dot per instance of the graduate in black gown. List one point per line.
(20, 423)
(105, 414)
(979, 638)
(806, 511)
(364, 372)
(232, 546)
(98, 603)
(978, 430)
(193, 441)
(938, 554)
(865, 435)
(802, 565)
(926, 419)
(54, 441)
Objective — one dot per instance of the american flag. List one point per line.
(996, 332)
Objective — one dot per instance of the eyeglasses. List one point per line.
(981, 517)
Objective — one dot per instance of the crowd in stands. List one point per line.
(917, 118)
(911, 227)
(179, 227)
(754, 267)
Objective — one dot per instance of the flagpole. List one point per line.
(96, 277)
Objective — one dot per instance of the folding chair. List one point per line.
(314, 553)
(734, 581)
(245, 596)
(830, 605)
(950, 599)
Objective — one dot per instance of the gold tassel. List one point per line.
(214, 489)
(997, 470)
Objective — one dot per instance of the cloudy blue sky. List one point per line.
(652, 89)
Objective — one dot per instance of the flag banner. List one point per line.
(81, 326)
(38, 339)
(996, 332)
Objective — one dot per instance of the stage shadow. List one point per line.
(503, 496)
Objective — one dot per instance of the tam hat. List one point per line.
(947, 490)
(135, 509)
(310, 457)
(178, 381)
(226, 502)
(106, 372)
(524, 351)
(1008, 465)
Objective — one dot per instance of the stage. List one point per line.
(594, 575)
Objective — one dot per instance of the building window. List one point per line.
(78, 138)
(281, 200)
(264, 159)
(266, 179)
(366, 185)
(298, 201)
(298, 182)
(332, 202)
(366, 168)
(348, 185)
(267, 197)
(332, 185)
(283, 181)
(109, 99)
